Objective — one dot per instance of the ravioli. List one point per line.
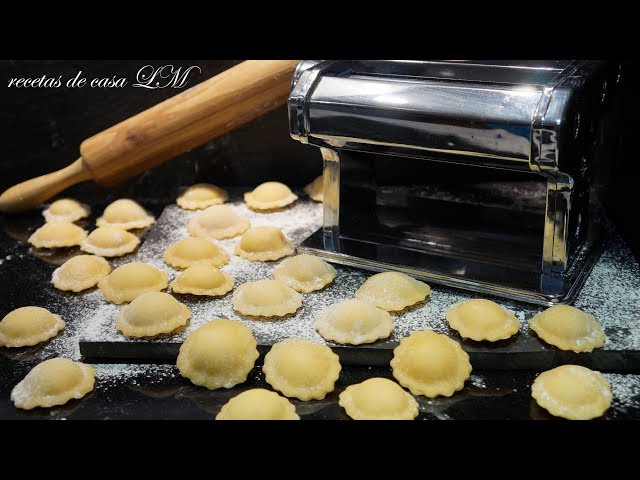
(261, 244)
(572, 392)
(57, 235)
(66, 210)
(201, 195)
(151, 314)
(354, 322)
(270, 195)
(301, 368)
(195, 250)
(218, 222)
(219, 354)
(258, 404)
(305, 273)
(203, 280)
(131, 280)
(315, 189)
(125, 213)
(568, 328)
(266, 298)
(481, 319)
(110, 242)
(80, 272)
(393, 291)
(27, 326)
(430, 364)
(378, 399)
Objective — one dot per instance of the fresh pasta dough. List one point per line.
(66, 210)
(57, 235)
(568, 328)
(201, 195)
(260, 244)
(219, 354)
(203, 280)
(218, 222)
(301, 368)
(27, 326)
(354, 322)
(53, 382)
(573, 392)
(481, 319)
(266, 298)
(110, 242)
(80, 272)
(378, 399)
(131, 280)
(430, 364)
(151, 314)
(195, 250)
(270, 195)
(258, 404)
(315, 189)
(305, 273)
(393, 291)
(125, 213)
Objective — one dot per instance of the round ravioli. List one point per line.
(378, 399)
(315, 189)
(572, 392)
(57, 235)
(110, 242)
(53, 382)
(219, 354)
(393, 291)
(270, 195)
(261, 244)
(481, 319)
(195, 250)
(354, 322)
(132, 280)
(568, 328)
(151, 314)
(203, 280)
(66, 210)
(201, 195)
(266, 298)
(305, 273)
(301, 368)
(80, 272)
(258, 404)
(125, 213)
(219, 222)
(430, 364)
(27, 326)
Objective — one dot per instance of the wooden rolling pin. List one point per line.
(192, 118)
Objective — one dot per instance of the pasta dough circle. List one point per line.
(430, 364)
(53, 382)
(203, 280)
(57, 235)
(130, 280)
(27, 326)
(568, 328)
(66, 210)
(305, 273)
(220, 353)
(572, 392)
(301, 368)
(354, 322)
(258, 404)
(270, 195)
(393, 291)
(481, 319)
(315, 189)
(80, 272)
(260, 244)
(195, 250)
(110, 242)
(266, 298)
(151, 314)
(125, 213)
(378, 399)
(201, 195)
(217, 221)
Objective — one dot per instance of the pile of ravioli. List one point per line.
(222, 352)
